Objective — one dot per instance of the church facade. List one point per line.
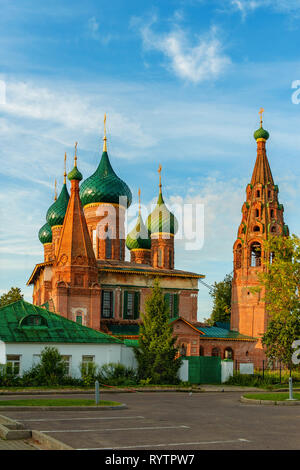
(85, 278)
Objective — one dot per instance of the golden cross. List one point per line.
(65, 172)
(55, 192)
(261, 113)
(139, 193)
(104, 138)
(75, 156)
(159, 171)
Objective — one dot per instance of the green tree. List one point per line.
(11, 296)
(157, 355)
(51, 370)
(221, 294)
(279, 284)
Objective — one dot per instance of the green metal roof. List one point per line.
(58, 329)
(45, 234)
(75, 174)
(56, 212)
(161, 220)
(224, 325)
(261, 133)
(131, 342)
(104, 186)
(216, 332)
(139, 237)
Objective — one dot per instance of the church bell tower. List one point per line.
(262, 217)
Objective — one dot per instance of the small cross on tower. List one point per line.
(261, 113)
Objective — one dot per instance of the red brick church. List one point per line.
(85, 278)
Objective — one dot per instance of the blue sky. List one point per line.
(181, 83)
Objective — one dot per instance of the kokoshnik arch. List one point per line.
(85, 278)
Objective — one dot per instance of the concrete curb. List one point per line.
(92, 391)
(253, 401)
(49, 442)
(63, 408)
(13, 430)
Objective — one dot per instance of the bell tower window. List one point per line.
(255, 253)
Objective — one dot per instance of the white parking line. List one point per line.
(167, 445)
(117, 429)
(79, 419)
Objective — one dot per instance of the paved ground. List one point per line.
(173, 421)
(15, 445)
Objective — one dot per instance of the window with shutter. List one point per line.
(136, 305)
(172, 301)
(131, 305)
(107, 304)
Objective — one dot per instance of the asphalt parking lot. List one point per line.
(170, 421)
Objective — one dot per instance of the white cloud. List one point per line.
(281, 6)
(196, 62)
(94, 31)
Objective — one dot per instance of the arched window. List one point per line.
(183, 350)
(256, 212)
(272, 213)
(216, 352)
(258, 193)
(238, 256)
(273, 229)
(256, 228)
(79, 318)
(228, 353)
(255, 253)
(272, 256)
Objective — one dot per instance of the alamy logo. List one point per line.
(296, 94)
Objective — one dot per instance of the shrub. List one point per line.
(88, 372)
(8, 378)
(117, 374)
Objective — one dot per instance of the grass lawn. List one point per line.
(56, 402)
(279, 396)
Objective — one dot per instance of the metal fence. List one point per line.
(266, 368)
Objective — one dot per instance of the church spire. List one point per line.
(75, 246)
(262, 173)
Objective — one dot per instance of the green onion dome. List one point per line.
(261, 133)
(104, 186)
(56, 212)
(161, 220)
(139, 237)
(45, 234)
(75, 174)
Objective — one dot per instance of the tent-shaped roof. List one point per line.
(19, 323)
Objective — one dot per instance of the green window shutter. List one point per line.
(125, 304)
(167, 300)
(176, 304)
(136, 305)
